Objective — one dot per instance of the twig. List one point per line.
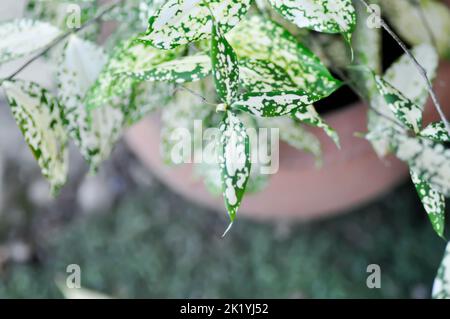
(419, 67)
(60, 38)
(204, 100)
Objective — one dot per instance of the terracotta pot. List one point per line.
(349, 177)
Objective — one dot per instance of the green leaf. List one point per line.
(436, 132)
(406, 18)
(309, 115)
(41, 121)
(225, 66)
(409, 113)
(179, 22)
(186, 69)
(96, 132)
(433, 202)
(23, 37)
(276, 103)
(128, 56)
(234, 162)
(262, 39)
(330, 16)
(441, 286)
(263, 76)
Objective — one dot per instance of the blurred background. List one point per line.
(132, 237)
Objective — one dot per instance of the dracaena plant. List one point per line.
(233, 64)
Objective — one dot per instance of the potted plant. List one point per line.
(241, 66)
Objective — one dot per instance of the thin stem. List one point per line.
(60, 38)
(419, 67)
(201, 97)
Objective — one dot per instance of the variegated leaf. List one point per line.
(331, 16)
(128, 56)
(436, 132)
(430, 161)
(406, 18)
(41, 121)
(186, 69)
(95, 132)
(405, 77)
(263, 39)
(182, 21)
(413, 87)
(263, 76)
(406, 111)
(276, 103)
(433, 202)
(309, 115)
(441, 286)
(225, 66)
(234, 162)
(22, 37)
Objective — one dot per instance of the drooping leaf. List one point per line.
(186, 69)
(225, 66)
(179, 22)
(128, 56)
(262, 39)
(275, 103)
(407, 19)
(441, 286)
(263, 76)
(406, 111)
(22, 37)
(433, 202)
(95, 132)
(331, 16)
(436, 132)
(234, 162)
(429, 160)
(412, 87)
(41, 121)
(309, 115)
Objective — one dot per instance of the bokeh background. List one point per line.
(133, 237)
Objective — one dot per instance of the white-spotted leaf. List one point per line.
(187, 69)
(234, 161)
(441, 286)
(275, 103)
(263, 76)
(406, 111)
(179, 22)
(436, 132)
(262, 39)
(309, 115)
(22, 37)
(94, 132)
(225, 66)
(41, 121)
(331, 16)
(433, 202)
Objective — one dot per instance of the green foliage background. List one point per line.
(170, 248)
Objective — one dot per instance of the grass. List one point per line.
(154, 244)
